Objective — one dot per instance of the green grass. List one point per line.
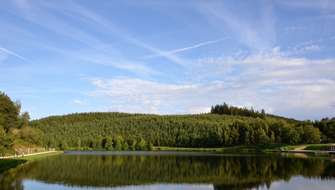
(249, 149)
(40, 156)
(323, 147)
(230, 149)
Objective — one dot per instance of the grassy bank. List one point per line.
(250, 149)
(230, 149)
(39, 156)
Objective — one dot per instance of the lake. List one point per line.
(170, 170)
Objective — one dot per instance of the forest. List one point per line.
(122, 131)
(224, 126)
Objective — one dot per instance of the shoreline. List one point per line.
(25, 156)
(239, 149)
(253, 149)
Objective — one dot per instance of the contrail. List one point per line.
(174, 51)
(13, 53)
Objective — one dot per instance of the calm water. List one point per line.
(187, 171)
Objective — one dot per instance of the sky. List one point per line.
(169, 57)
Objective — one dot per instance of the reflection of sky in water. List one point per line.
(33, 185)
(296, 183)
(300, 183)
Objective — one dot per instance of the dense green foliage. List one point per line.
(327, 128)
(9, 112)
(134, 131)
(119, 170)
(14, 127)
(232, 110)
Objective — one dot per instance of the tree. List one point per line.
(311, 134)
(118, 143)
(141, 144)
(33, 136)
(263, 114)
(109, 143)
(78, 143)
(150, 146)
(291, 135)
(132, 144)
(9, 113)
(25, 119)
(125, 146)
(5, 141)
(63, 145)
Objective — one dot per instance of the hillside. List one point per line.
(117, 131)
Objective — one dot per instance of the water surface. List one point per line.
(170, 170)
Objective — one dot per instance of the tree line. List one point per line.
(109, 130)
(224, 126)
(233, 110)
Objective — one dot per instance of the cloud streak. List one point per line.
(179, 50)
(121, 32)
(12, 53)
(258, 33)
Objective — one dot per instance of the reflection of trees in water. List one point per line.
(223, 172)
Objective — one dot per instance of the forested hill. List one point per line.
(122, 131)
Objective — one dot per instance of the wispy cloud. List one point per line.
(12, 53)
(123, 33)
(148, 96)
(95, 50)
(258, 33)
(79, 102)
(266, 80)
(179, 50)
(72, 38)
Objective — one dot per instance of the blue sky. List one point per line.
(169, 57)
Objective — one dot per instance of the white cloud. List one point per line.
(275, 79)
(305, 47)
(147, 96)
(197, 110)
(295, 87)
(79, 102)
